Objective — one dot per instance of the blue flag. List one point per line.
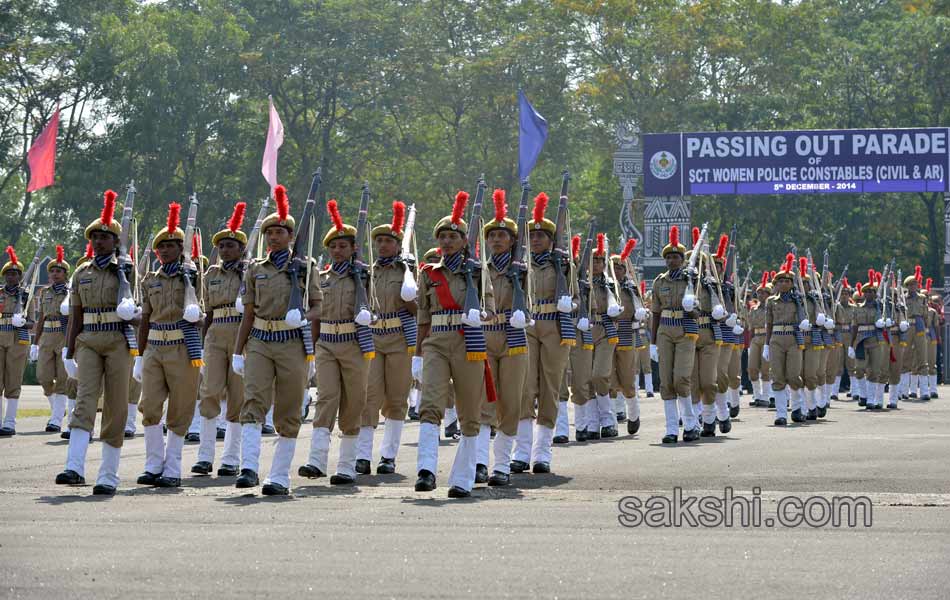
(533, 131)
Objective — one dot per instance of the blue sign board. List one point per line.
(796, 162)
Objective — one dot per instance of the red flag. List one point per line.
(42, 156)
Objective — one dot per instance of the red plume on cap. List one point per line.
(765, 278)
(628, 248)
(174, 216)
(60, 254)
(540, 205)
(108, 207)
(501, 208)
(721, 250)
(12, 254)
(399, 216)
(576, 246)
(859, 287)
(88, 249)
(877, 278)
(237, 217)
(601, 244)
(283, 205)
(930, 283)
(870, 276)
(334, 210)
(695, 236)
(789, 259)
(461, 199)
(917, 272)
(772, 275)
(803, 265)
(674, 236)
(844, 282)
(643, 287)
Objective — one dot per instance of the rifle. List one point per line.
(255, 232)
(689, 295)
(517, 267)
(359, 270)
(23, 297)
(125, 262)
(840, 284)
(561, 255)
(405, 254)
(583, 281)
(472, 301)
(189, 268)
(299, 264)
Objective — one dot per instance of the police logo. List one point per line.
(663, 165)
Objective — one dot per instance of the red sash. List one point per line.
(448, 302)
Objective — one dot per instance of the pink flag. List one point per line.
(42, 156)
(275, 137)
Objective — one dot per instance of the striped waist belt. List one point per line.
(225, 314)
(783, 329)
(866, 327)
(498, 323)
(760, 331)
(386, 325)
(273, 324)
(165, 334)
(545, 310)
(337, 332)
(447, 321)
(100, 318)
(671, 314)
(53, 327)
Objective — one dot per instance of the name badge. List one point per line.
(82, 281)
(157, 284)
(214, 282)
(324, 284)
(262, 276)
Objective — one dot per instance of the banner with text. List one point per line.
(796, 162)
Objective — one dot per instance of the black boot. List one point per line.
(192, 438)
(519, 466)
(633, 426)
(580, 435)
(413, 414)
(147, 478)
(797, 416)
(342, 479)
(670, 438)
(101, 489)
(560, 439)
(691, 436)
(709, 429)
(734, 411)
(227, 470)
(481, 473)
(452, 431)
(608, 432)
(457, 492)
(70, 477)
(274, 489)
(812, 414)
(725, 426)
(426, 481)
(310, 472)
(862, 401)
(780, 422)
(386, 466)
(202, 467)
(499, 479)
(621, 417)
(168, 482)
(247, 479)
(822, 411)
(363, 467)
(541, 467)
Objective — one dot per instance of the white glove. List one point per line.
(830, 324)
(70, 364)
(126, 309)
(311, 370)
(654, 353)
(879, 323)
(851, 354)
(518, 319)
(820, 319)
(473, 318)
(34, 352)
(192, 313)
(239, 305)
(731, 320)
(137, 369)
(614, 310)
(904, 326)
(738, 329)
(689, 302)
(641, 314)
(64, 306)
(408, 291)
(237, 364)
(565, 304)
(364, 317)
(18, 320)
(417, 368)
(718, 312)
(583, 324)
(294, 319)
(201, 369)
(805, 325)
(766, 352)
(889, 322)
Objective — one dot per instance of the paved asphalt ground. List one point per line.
(547, 536)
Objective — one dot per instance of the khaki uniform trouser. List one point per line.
(219, 382)
(388, 381)
(446, 367)
(918, 351)
(624, 376)
(811, 366)
(13, 357)
(677, 354)
(876, 356)
(603, 364)
(835, 365)
(643, 356)
(167, 373)
(722, 367)
(72, 387)
(735, 367)
(342, 374)
(894, 368)
(582, 363)
(50, 371)
(103, 361)
(135, 389)
(785, 362)
(932, 357)
(545, 373)
(510, 374)
(758, 368)
(703, 381)
(849, 362)
(274, 373)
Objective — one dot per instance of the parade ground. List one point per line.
(569, 534)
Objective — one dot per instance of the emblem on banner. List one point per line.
(662, 165)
